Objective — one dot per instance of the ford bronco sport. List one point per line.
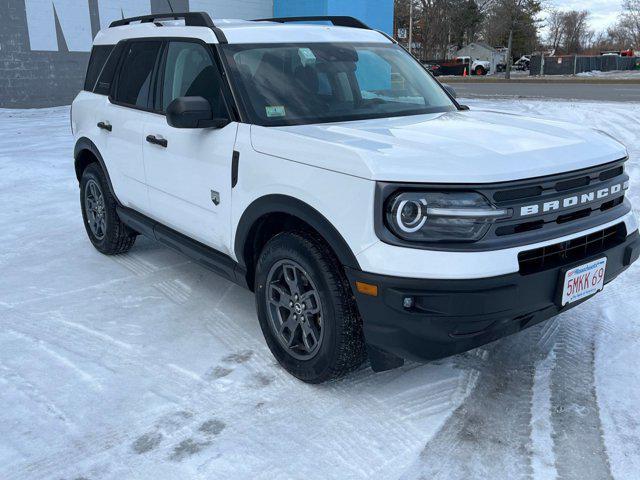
(321, 166)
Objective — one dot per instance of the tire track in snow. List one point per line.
(175, 290)
(489, 435)
(28, 389)
(100, 349)
(198, 395)
(40, 345)
(578, 440)
(135, 263)
(543, 459)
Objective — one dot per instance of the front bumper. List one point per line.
(453, 316)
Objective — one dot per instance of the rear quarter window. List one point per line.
(103, 87)
(99, 56)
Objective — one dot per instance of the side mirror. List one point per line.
(193, 112)
(450, 90)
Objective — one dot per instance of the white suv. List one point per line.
(324, 168)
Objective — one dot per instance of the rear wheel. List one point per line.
(306, 310)
(106, 231)
(480, 70)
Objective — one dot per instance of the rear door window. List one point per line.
(136, 73)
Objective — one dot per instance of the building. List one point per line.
(377, 14)
(45, 44)
(482, 51)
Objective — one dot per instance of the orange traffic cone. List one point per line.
(464, 74)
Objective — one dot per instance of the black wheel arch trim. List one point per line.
(85, 144)
(285, 204)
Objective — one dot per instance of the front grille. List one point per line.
(562, 184)
(565, 253)
(511, 229)
(556, 188)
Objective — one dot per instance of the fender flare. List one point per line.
(85, 144)
(291, 206)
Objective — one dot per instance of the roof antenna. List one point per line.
(170, 7)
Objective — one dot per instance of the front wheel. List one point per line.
(306, 310)
(480, 71)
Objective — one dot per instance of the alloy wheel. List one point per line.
(294, 309)
(95, 209)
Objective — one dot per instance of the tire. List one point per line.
(480, 71)
(111, 237)
(331, 313)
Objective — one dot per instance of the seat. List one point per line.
(207, 85)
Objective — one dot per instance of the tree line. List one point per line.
(440, 27)
(443, 26)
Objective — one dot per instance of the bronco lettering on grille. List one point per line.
(574, 200)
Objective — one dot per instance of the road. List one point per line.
(568, 91)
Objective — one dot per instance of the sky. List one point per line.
(603, 12)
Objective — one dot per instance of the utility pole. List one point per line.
(507, 74)
(410, 25)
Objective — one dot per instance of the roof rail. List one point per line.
(338, 21)
(191, 19)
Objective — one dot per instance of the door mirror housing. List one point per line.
(450, 90)
(193, 112)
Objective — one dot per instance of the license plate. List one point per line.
(583, 281)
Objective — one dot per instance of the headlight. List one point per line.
(441, 217)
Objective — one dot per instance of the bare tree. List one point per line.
(575, 31)
(629, 22)
(555, 25)
(444, 25)
(513, 22)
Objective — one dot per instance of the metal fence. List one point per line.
(574, 64)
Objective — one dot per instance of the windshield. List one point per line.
(284, 84)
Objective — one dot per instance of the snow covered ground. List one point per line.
(146, 366)
(613, 75)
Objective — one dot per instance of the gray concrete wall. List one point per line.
(45, 44)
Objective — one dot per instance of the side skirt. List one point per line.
(202, 254)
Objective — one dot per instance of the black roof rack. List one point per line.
(191, 19)
(338, 21)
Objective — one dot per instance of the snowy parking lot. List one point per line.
(147, 366)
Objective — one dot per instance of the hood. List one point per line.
(475, 146)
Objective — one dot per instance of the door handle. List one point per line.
(105, 126)
(157, 141)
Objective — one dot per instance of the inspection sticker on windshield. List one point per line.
(306, 56)
(275, 111)
(583, 281)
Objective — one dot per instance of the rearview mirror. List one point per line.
(193, 112)
(450, 90)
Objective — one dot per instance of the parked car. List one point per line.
(458, 66)
(523, 63)
(478, 67)
(323, 169)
